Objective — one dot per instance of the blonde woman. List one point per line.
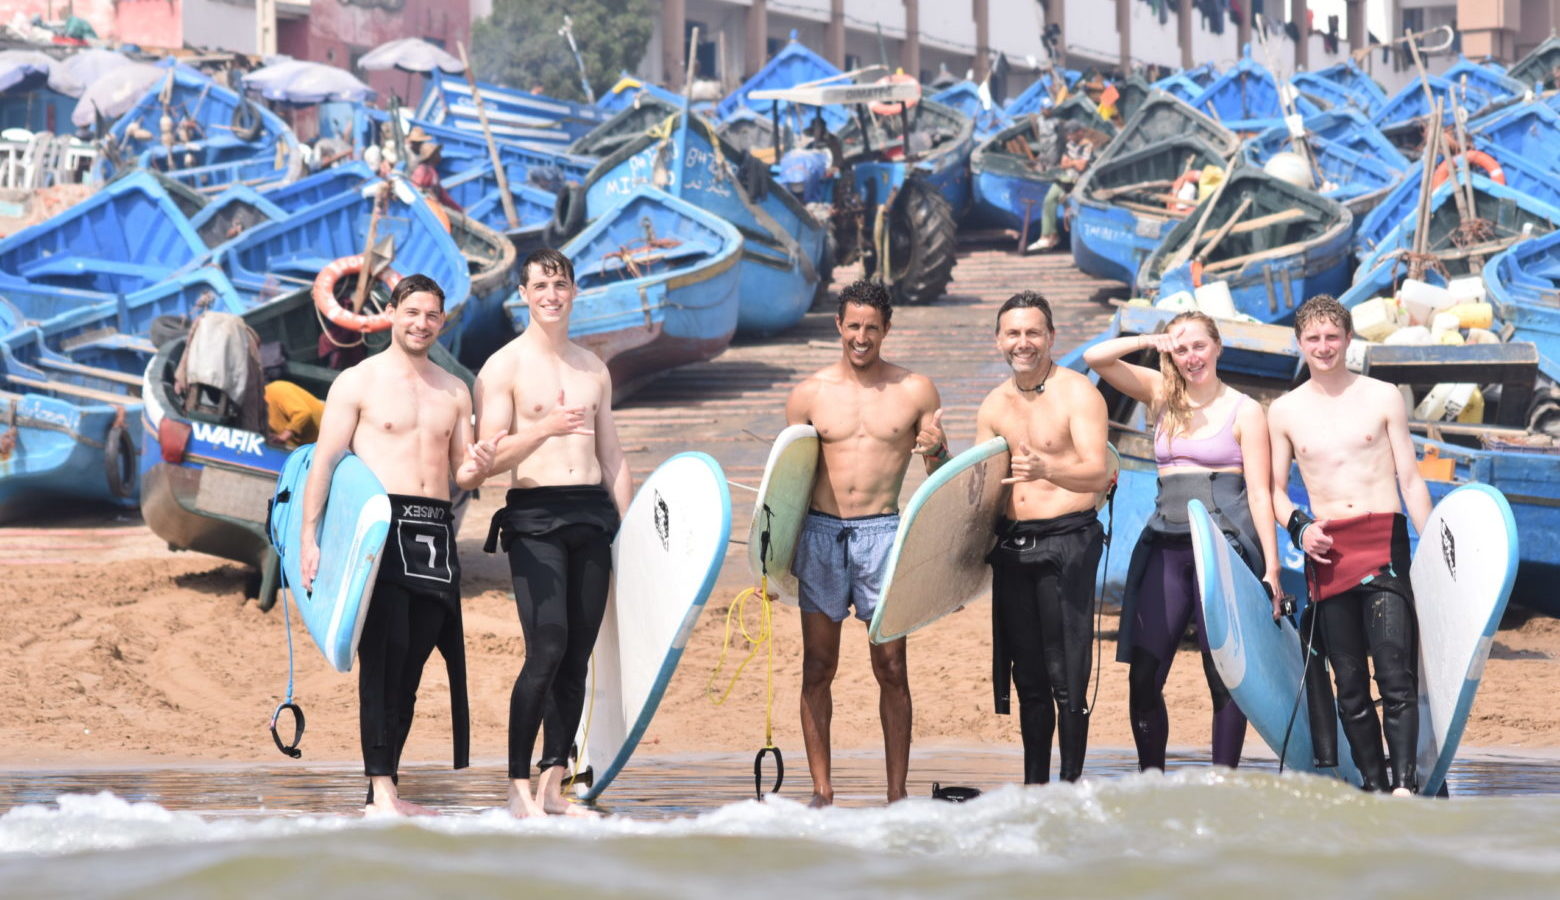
(1211, 444)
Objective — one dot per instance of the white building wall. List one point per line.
(221, 25)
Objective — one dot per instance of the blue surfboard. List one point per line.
(1259, 660)
(352, 541)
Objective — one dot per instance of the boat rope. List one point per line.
(764, 639)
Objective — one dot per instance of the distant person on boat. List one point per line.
(1349, 434)
(409, 421)
(292, 414)
(425, 177)
(1211, 444)
(1049, 539)
(546, 402)
(871, 417)
(1077, 155)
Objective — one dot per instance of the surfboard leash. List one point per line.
(1099, 601)
(764, 638)
(289, 749)
(590, 711)
(1305, 669)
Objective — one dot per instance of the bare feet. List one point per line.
(819, 801)
(388, 803)
(573, 810)
(521, 804)
(896, 796)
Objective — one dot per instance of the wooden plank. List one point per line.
(1513, 366)
(1151, 210)
(1278, 218)
(90, 371)
(73, 390)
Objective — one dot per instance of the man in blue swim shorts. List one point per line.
(871, 416)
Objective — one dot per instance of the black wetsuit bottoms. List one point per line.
(414, 608)
(559, 542)
(1168, 601)
(1377, 620)
(1042, 595)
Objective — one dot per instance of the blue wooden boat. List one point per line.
(1343, 85)
(514, 116)
(205, 480)
(220, 138)
(1163, 117)
(648, 111)
(1041, 94)
(1401, 117)
(658, 286)
(1537, 68)
(232, 212)
(1289, 244)
(1523, 282)
(1528, 195)
(544, 167)
(477, 191)
(792, 65)
(1009, 187)
(1531, 130)
(965, 97)
(783, 245)
(1348, 128)
(1489, 77)
(1180, 86)
(1245, 97)
(1357, 181)
(127, 236)
(321, 186)
(630, 91)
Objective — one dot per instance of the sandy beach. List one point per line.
(117, 651)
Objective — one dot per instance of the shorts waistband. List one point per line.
(1063, 524)
(851, 519)
(547, 493)
(412, 508)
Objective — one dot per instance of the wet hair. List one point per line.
(416, 284)
(1324, 308)
(867, 292)
(550, 261)
(1175, 408)
(1027, 300)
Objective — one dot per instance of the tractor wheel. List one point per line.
(921, 243)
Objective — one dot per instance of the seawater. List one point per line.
(690, 828)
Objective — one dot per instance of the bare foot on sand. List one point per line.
(573, 810)
(521, 804)
(819, 801)
(388, 802)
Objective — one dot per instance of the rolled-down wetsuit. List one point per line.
(1042, 608)
(1365, 606)
(559, 543)
(415, 607)
(1160, 598)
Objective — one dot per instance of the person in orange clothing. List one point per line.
(292, 414)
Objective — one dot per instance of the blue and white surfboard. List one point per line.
(352, 541)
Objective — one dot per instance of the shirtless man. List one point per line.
(871, 416)
(1350, 435)
(410, 423)
(1049, 539)
(568, 488)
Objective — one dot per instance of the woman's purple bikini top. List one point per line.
(1219, 451)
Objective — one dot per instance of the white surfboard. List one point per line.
(1463, 570)
(780, 509)
(938, 561)
(665, 560)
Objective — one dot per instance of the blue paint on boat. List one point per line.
(321, 186)
(783, 245)
(1509, 210)
(128, 235)
(792, 65)
(1356, 180)
(1245, 97)
(626, 93)
(1523, 283)
(1343, 84)
(209, 155)
(1284, 263)
(945, 165)
(658, 282)
(513, 115)
(1530, 130)
(965, 97)
(477, 191)
(1039, 96)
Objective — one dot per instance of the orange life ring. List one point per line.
(325, 301)
(895, 107)
(1173, 202)
(1479, 158)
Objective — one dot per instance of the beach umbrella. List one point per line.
(300, 81)
(87, 66)
(113, 93)
(27, 69)
(410, 55)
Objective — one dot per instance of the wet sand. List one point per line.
(118, 652)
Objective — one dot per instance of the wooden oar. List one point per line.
(1224, 230)
(504, 196)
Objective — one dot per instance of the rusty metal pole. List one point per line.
(1243, 30)
(910, 53)
(834, 43)
(982, 12)
(1358, 31)
(1060, 9)
(674, 28)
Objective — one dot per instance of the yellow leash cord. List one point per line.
(590, 709)
(764, 637)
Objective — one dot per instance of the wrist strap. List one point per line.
(1299, 520)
